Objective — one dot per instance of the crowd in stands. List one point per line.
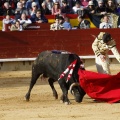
(103, 13)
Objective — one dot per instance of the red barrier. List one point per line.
(28, 44)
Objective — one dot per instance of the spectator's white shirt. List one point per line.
(28, 21)
(49, 5)
(32, 12)
(21, 28)
(105, 25)
(75, 9)
(6, 21)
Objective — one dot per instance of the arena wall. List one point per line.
(19, 49)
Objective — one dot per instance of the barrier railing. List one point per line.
(32, 59)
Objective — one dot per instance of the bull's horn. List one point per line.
(72, 85)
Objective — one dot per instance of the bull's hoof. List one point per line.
(79, 101)
(55, 96)
(62, 98)
(27, 97)
(67, 103)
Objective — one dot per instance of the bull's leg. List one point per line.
(33, 81)
(64, 97)
(51, 81)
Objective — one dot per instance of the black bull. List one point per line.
(51, 65)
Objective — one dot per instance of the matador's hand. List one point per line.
(103, 58)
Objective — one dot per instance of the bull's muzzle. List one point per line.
(78, 93)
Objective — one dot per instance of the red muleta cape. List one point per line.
(99, 86)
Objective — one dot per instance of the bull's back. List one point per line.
(53, 64)
(53, 60)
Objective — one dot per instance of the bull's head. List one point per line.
(77, 92)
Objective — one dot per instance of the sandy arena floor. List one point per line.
(42, 105)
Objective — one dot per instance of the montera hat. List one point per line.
(106, 37)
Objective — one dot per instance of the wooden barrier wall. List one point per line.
(29, 43)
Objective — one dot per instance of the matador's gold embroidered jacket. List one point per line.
(101, 48)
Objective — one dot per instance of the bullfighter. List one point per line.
(101, 45)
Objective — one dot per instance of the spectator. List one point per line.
(111, 7)
(118, 8)
(24, 21)
(45, 10)
(67, 25)
(11, 3)
(83, 23)
(91, 8)
(65, 8)
(19, 10)
(7, 10)
(16, 26)
(105, 23)
(56, 9)
(101, 45)
(15, 3)
(49, 4)
(34, 9)
(72, 3)
(59, 1)
(95, 2)
(57, 25)
(29, 4)
(38, 18)
(101, 8)
(78, 9)
(61, 20)
(7, 20)
(23, 2)
(84, 3)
